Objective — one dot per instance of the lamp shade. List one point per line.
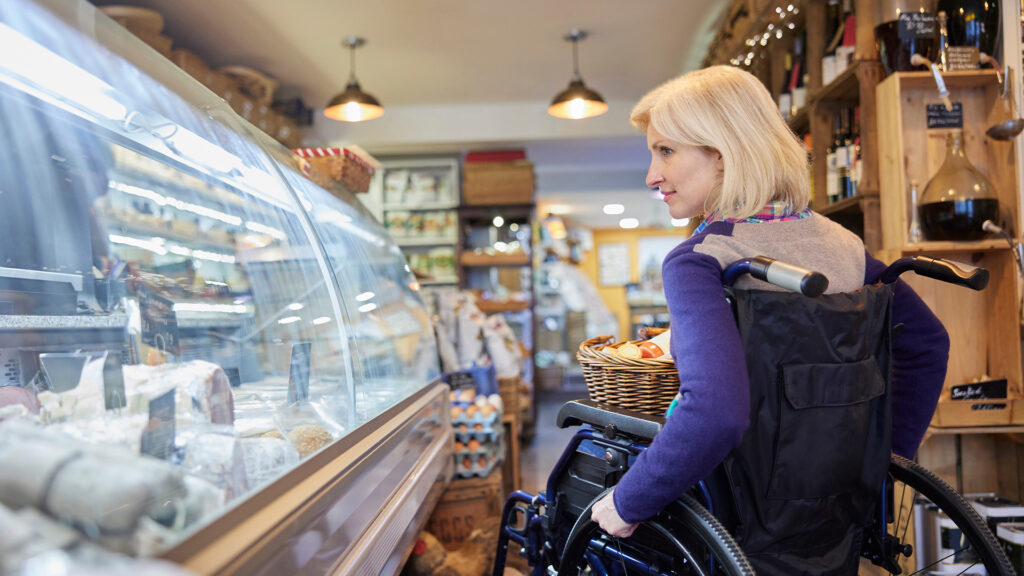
(353, 105)
(576, 102)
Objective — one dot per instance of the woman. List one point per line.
(720, 148)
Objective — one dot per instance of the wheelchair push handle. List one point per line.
(802, 280)
(937, 269)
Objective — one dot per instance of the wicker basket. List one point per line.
(646, 385)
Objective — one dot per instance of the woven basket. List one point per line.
(646, 385)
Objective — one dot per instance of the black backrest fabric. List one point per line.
(811, 466)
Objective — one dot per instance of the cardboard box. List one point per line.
(465, 505)
(496, 183)
(509, 389)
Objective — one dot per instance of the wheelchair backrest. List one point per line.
(812, 463)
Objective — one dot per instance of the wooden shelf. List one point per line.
(846, 206)
(937, 430)
(404, 242)
(990, 245)
(471, 259)
(496, 306)
(424, 206)
(843, 88)
(801, 122)
(955, 80)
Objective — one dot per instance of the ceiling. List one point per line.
(483, 70)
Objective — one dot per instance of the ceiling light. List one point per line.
(680, 222)
(577, 101)
(498, 222)
(614, 209)
(629, 223)
(353, 105)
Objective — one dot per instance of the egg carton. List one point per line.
(484, 449)
(477, 418)
(477, 431)
(475, 468)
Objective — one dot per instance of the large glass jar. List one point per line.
(958, 199)
(972, 23)
(907, 27)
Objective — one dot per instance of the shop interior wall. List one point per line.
(615, 296)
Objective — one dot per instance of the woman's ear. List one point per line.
(719, 161)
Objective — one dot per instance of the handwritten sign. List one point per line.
(939, 117)
(158, 436)
(917, 25)
(298, 373)
(962, 58)
(159, 322)
(979, 390)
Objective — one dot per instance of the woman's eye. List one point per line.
(665, 151)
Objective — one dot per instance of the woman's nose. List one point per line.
(654, 178)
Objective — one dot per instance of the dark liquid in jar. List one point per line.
(895, 52)
(957, 220)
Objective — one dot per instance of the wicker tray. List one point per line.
(645, 385)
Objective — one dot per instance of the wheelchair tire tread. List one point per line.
(917, 476)
(711, 525)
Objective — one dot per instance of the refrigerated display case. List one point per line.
(204, 357)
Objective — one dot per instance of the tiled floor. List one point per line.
(539, 457)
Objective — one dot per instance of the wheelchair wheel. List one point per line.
(685, 539)
(931, 529)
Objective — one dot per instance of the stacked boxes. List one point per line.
(479, 438)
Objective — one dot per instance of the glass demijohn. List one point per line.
(958, 199)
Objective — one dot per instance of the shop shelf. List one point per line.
(423, 206)
(495, 306)
(988, 245)
(471, 259)
(436, 241)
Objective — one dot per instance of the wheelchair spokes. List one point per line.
(930, 529)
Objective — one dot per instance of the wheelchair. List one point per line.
(886, 520)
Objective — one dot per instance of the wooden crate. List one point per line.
(465, 505)
(509, 389)
(511, 472)
(959, 413)
(495, 183)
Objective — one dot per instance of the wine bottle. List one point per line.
(832, 168)
(842, 145)
(855, 153)
(798, 86)
(785, 95)
(845, 50)
(943, 43)
(833, 18)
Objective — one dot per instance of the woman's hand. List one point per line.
(607, 517)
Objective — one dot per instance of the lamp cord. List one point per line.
(351, 63)
(575, 57)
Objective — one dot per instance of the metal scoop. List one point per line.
(1007, 129)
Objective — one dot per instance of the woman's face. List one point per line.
(685, 174)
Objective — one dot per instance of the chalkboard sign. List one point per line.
(962, 58)
(298, 373)
(979, 390)
(159, 322)
(917, 25)
(158, 437)
(461, 381)
(113, 382)
(939, 117)
(234, 377)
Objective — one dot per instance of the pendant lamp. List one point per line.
(577, 101)
(353, 105)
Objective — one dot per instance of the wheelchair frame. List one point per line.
(554, 529)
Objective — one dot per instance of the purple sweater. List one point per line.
(713, 410)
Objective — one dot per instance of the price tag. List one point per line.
(962, 57)
(917, 25)
(159, 322)
(979, 390)
(158, 437)
(298, 373)
(461, 381)
(234, 377)
(939, 117)
(113, 383)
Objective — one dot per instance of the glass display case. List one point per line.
(205, 357)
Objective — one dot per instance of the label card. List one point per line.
(962, 57)
(298, 373)
(113, 383)
(917, 25)
(939, 117)
(158, 437)
(159, 322)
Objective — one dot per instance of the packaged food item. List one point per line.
(394, 223)
(424, 187)
(657, 347)
(396, 182)
(414, 225)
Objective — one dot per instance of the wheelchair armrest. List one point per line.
(629, 423)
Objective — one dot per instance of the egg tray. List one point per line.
(477, 418)
(461, 471)
(486, 449)
(485, 434)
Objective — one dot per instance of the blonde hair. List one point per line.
(728, 110)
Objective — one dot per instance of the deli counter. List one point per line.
(205, 358)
